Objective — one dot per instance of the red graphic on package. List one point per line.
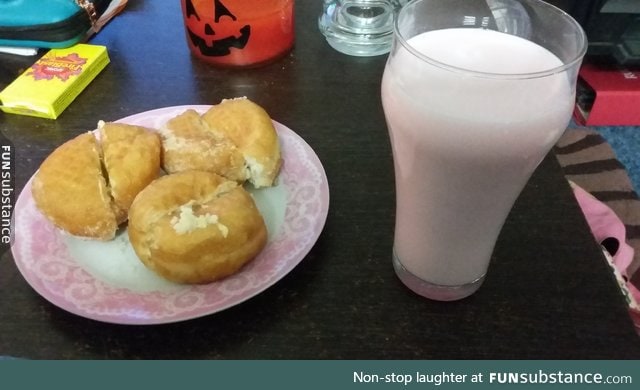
(62, 68)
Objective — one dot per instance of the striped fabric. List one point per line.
(590, 162)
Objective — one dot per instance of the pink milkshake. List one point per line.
(465, 141)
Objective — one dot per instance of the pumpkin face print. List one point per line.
(202, 29)
(238, 32)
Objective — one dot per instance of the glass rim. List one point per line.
(399, 37)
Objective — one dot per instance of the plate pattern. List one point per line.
(43, 259)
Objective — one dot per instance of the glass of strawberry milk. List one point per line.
(475, 94)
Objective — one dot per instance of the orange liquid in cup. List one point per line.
(239, 32)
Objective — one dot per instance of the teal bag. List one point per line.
(47, 23)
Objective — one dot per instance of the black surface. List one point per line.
(548, 294)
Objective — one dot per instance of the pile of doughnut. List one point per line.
(178, 189)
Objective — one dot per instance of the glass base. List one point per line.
(434, 291)
(358, 28)
(365, 48)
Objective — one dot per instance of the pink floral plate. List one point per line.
(105, 281)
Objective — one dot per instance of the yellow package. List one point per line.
(54, 81)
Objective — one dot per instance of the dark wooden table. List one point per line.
(548, 295)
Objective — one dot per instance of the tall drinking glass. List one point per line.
(475, 94)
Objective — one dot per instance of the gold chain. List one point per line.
(90, 9)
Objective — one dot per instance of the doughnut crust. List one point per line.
(131, 156)
(195, 227)
(189, 145)
(249, 127)
(71, 191)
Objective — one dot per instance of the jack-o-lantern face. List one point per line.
(214, 31)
